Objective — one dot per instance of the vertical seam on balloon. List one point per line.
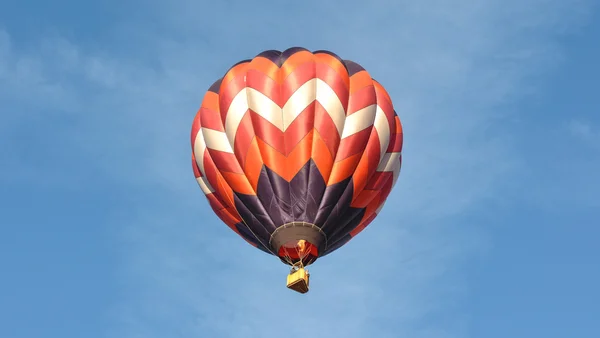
(350, 182)
(232, 201)
(334, 156)
(223, 181)
(341, 228)
(314, 136)
(312, 125)
(287, 161)
(263, 167)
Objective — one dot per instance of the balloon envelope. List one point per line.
(296, 151)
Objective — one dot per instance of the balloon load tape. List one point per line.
(298, 279)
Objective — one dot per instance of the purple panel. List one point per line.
(291, 51)
(331, 197)
(273, 55)
(315, 188)
(215, 86)
(330, 53)
(353, 67)
(350, 219)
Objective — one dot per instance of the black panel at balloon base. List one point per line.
(298, 279)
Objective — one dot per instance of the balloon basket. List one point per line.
(298, 279)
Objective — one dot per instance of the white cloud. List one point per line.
(450, 67)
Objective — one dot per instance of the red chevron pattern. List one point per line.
(284, 111)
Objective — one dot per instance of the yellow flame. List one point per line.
(301, 246)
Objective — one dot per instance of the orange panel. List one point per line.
(336, 65)
(234, 72)
(293, 62)
(253, 164)
(321, 156)
(359, 81)
(299, 156)
(343, 169)
(264, 66)
(238, 182)
(211, 101)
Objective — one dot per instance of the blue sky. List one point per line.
(492, 230)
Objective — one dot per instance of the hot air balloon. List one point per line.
(296, 152)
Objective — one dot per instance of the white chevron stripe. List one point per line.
(282, 118)
(359, 120)
(199, 148)
(314, 89)
(235, 113)
(217, 140)
(382, 127)
(396, 170)
(391, 163)
(300, 99)
(204, 185)
(332, 104)
(265, 107)
(387, 162)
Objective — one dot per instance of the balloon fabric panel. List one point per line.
(296, 137)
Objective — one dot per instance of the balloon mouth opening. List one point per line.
(293, 252)
(298, 242)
